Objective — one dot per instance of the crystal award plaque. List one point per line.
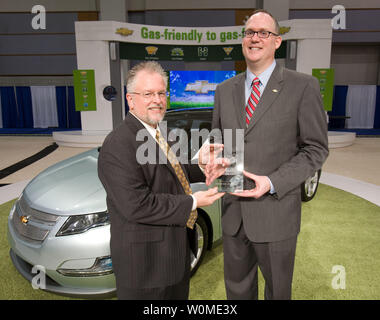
(233, 179)
(233, 151)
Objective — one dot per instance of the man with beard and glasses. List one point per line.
(151, 206)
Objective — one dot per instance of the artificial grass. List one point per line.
(337, 228)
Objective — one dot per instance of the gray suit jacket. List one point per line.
(285, 140)
(148, 210)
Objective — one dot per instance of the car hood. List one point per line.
(70, 187)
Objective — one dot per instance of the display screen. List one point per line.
(189, 89)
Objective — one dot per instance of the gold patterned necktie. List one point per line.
(179, 172)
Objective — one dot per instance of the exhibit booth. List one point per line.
(104, 49)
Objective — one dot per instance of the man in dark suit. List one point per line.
(285, 141)
(152, 210)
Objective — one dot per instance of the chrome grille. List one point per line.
(35, 215)
(31, 224)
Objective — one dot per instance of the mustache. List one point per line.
(156, 106)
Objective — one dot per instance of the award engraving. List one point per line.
(233, 179)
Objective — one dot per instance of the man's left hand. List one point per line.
(261, 188)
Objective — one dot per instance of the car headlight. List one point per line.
(82, 223)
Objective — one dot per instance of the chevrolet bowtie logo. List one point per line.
(201, 86)
(124, 31)
(284, 30)
(24, 219)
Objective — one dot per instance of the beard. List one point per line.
(156, 118)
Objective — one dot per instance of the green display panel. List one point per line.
(326, 83)
(84, 90)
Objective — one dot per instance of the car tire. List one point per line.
(310, 186)
(203, 233)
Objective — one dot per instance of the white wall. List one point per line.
(313, 53)
(94, 55)
(313, 42)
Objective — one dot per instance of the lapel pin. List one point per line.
(275, 90)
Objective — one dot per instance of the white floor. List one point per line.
(365, 190)
(12, 191)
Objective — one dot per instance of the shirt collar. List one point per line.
(263, 77)
(151, 130)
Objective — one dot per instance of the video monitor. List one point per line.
(195, 89)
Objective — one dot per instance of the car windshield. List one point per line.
(190, 122)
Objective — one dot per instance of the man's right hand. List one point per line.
(206, 198)
(215, 169)
(208, 153)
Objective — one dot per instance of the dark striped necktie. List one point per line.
(253, 101)
(179, 172)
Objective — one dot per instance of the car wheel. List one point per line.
(202, 231)
(310, 186)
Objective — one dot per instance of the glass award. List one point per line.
(233, 178)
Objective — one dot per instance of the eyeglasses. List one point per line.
(261, 34)
(151, 95)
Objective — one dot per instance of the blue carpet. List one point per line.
(31, 131)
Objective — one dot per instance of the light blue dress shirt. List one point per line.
(264, 78)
